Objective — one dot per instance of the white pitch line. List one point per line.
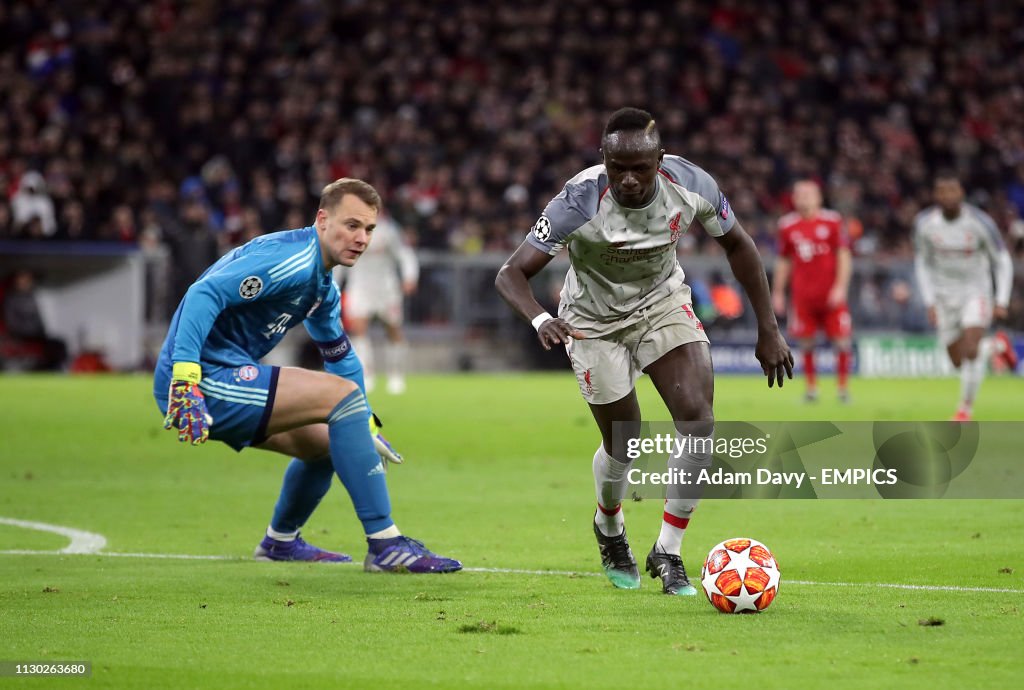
(173, 556)
(518, 571)
(81, 541)
(90, 544)
(521, 571)
(926, 588)
(115, 554)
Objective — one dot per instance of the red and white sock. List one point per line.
(673, 527)
(693, 456)
(609, 485)
(609, 520)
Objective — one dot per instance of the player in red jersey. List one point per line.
(814, 258)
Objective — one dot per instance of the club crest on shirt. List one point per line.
(673, 225)
(250, 287)
(542, 229)
(248, 373)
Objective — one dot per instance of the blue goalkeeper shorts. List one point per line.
(240, 400)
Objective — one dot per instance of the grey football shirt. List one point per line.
(955, 258)
(623, 260)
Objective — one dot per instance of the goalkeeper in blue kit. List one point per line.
(209, 382)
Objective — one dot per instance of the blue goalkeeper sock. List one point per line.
(357, 463)
(305, 483)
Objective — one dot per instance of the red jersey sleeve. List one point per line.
(842, 237)
(784, 242)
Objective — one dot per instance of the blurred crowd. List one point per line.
(198, 125)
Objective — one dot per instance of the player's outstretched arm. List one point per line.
(204, 301)
(1002, 265)
(513, 284)
(324, 326)
(771, 351)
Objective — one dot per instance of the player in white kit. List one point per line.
(958, 249)
(625, 310)
(374, 289)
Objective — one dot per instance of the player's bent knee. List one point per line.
(699, 422)
(342, 388)
(317, 457)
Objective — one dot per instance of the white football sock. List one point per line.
(673, 528)
(281, 536)
(609, 485)
(695, 455)
(386, 533)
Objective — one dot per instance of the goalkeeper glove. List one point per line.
(186, 407)
(384, 448)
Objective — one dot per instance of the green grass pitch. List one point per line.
(498, 475)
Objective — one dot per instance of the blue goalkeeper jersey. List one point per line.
(241, 307)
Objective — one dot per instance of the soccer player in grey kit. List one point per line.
(958, 252)
(625, 310)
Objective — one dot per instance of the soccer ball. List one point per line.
(740, 576)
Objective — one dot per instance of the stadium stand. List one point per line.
(199, 125)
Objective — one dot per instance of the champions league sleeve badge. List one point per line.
(250, 287)
(542, 229)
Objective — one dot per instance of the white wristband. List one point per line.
(539, 319)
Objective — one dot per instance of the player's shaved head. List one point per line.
(631, 142)
(631, 146)
(631, 130)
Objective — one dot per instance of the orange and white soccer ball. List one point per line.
(740, 576)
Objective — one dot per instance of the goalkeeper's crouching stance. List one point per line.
(209, 383)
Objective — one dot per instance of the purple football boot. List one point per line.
(295, 550)
(402, 554)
